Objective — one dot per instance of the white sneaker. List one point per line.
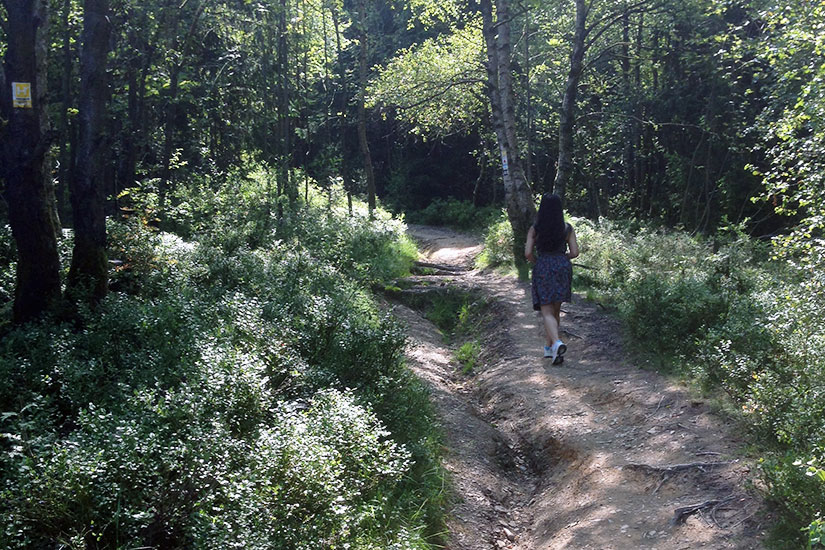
(548, 352)
(559, 348)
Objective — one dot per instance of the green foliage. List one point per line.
(455, 213)
(793, 55)
(467, 355)
(726, 314)
(436, 85)
(816, 534)
(8, 262)
(498, 244)
(798, 488)
(223, 396)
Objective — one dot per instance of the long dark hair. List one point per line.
(550, 226)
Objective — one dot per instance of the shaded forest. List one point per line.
(152, 149)
(679, 113)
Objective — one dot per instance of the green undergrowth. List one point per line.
(456, 312)
(724, 313)
(468, 355)
(498, 246)
(459, 314)
(456, 214)
(239, 388)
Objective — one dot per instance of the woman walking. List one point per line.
(555, 242)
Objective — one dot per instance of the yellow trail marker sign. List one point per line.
(21, 93)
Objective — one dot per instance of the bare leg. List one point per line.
(550, 316)
(557, 314)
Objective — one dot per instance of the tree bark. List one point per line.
(518, 197)
(636, 133)
(362, 109)
(567, 118)
(341, 101)
(284, 120)
(66, 148)
(172, 109)
(24, 142)
(628, 155)
(88, 274)
(132, 136)
(528, 153)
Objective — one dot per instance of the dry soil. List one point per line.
(596, 453)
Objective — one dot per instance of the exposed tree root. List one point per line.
(680, 515)
(441, 267)
(673, 468)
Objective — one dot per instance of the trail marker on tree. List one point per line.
(21, 94)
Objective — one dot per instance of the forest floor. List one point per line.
(595, 453)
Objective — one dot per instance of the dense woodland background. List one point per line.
(205, 173)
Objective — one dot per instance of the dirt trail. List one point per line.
(592, 454)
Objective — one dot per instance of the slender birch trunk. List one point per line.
(518, 197)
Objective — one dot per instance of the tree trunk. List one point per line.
(628, 155)
(482, 170)
(362, 110)
(172, 110)
(528, 153)
(66, 142)
(284, 122)
(636, 129)
(89, 269)
(567, 117)
(131, 138)
(518, 198)
(169, 134)
(24, 142)
(341, 102)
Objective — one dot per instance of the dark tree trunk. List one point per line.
(518, 197)
(362, 110)
(88, 272)
(169, 133)
(342, 97)
(172, 108)
(528, 153)
(66, 149)
(628, 155)
(567, 117)
(23, 146)
(139, 141)
(285, 186)
(127, 167)
(638, 115)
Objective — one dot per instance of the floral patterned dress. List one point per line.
(553, 275)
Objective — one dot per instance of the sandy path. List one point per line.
(573, 456)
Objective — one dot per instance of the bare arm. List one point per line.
(530, 244)
(573, 244)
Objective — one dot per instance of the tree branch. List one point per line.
(4, 91)
(439, 93)
(522, 11)
(612, 18)
(601, 54)
(649, 122)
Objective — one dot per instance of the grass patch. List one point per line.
(467, 355)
